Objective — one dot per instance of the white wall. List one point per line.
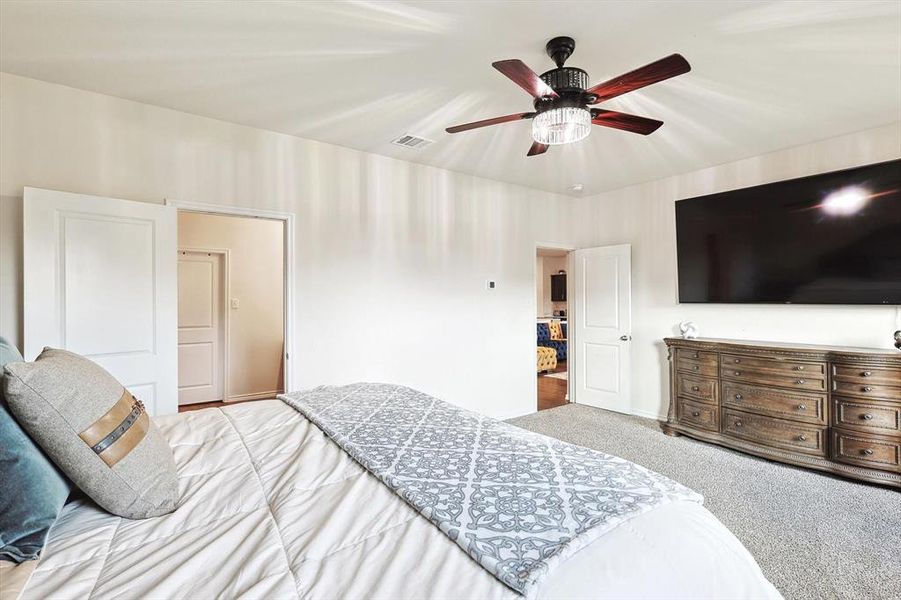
(391, 258)
(644, 216)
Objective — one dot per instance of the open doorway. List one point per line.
(551, 265)
(231, 308)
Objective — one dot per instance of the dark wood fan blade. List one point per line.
(524, 77)
(626, 122)
(537, 148)
(662, 69)
(487, 122)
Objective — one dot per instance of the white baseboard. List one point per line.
(649, 415)
(253, 396)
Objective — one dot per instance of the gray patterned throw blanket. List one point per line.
(518, 502)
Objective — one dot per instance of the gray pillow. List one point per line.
(95, 431)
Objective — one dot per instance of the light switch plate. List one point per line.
(236, 303)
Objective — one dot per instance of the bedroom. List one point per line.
(289, 110)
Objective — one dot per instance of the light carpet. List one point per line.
(814, 535)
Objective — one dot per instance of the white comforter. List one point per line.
(271, 508)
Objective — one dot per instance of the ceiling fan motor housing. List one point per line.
(566, 79)
(569, 83)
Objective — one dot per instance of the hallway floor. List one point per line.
(551, 390)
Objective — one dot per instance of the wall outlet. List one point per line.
(491, 285)
(236, 303)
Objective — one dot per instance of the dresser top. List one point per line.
(786, 347)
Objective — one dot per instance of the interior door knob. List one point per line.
(625, 338)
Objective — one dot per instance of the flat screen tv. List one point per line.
(833, 238)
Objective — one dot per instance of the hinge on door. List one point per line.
(286, 356)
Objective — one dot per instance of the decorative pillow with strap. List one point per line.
(96, 432)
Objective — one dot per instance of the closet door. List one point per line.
(201, 326)
(100, 280)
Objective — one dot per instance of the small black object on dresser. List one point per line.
(831, 408)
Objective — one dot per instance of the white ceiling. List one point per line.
(765, 75)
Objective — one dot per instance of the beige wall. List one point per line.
(256, 279)
(547, 266)
(391, 258)
(644, 216)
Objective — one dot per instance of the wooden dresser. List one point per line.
(829, 408)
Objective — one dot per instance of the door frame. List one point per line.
(568, 248)
(223, 309)
(287, 219)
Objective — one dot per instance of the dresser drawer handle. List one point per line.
(697, 355)
(737, 360)
(738, 423)
(802, 438)
(866, 417)
(868, 452)
(802, 407)
(738, 396)
(695, 388)
(736, 373)
(696, 368)
(799, 368)
(800, 382)
(866, 373)
(866, 388)
(696, 413)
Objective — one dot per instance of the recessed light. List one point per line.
(576, 187)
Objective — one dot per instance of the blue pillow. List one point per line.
(33, 491)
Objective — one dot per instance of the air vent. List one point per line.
(408, 140)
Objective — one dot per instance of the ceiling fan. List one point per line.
(562, 97)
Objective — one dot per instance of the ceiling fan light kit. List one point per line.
(561, 125)
(562, 97)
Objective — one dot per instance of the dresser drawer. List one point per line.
(693, 366)
(810, 408)
(797, 382)
(776, 433)
(866, 451)
(866, 390)
(867, 375)
(884, 419)
(789, 368)
(699, 356)
(695, 414)
(699, 388)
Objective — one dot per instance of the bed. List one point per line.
(273, 508)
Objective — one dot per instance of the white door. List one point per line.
(601, 326)
(99, 280)
(201, 331)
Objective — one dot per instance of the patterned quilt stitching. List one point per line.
(266, 498)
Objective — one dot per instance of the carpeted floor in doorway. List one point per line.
(814, 536)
